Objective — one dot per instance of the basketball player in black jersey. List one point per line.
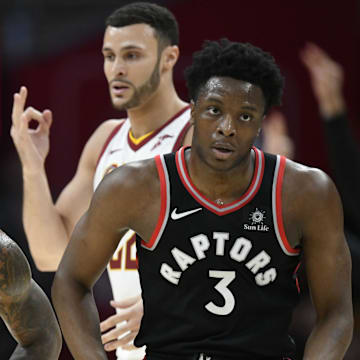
(25, 308)
(221, 229)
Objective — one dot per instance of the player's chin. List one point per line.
(119, 103)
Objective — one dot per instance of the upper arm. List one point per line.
(75, 198)
(23, 305)
(120, 200)
(326, 254)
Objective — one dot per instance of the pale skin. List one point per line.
(130, 56)
(227, 115)
(25, 308)
(327, 79)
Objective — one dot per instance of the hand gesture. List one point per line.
(327, 78)
(124, 325)
(32, 145)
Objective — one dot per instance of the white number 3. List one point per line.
(226, 278)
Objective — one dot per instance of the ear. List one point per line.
(260, 128)
(192, 110)
(169, 56)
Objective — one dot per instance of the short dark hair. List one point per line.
(241, 61)
(159, 18)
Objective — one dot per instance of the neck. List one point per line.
(222, 187)
(156, 111)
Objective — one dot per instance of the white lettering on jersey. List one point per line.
(258, 262)
(239, 252)
(169, 274)
(266, 278)
(240, 249)
(182, 259)
(200, 244)
(220, 238)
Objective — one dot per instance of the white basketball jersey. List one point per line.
(119, 149)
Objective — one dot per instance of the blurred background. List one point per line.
(54, 48)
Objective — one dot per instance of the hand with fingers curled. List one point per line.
(120, 330)
(31, 144)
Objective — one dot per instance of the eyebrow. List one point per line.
(218, 100)
(128, 47)
(249, 107)
(214, 99)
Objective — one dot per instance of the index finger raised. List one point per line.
(19, 104)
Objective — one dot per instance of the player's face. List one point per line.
(227, 118)
(131, 64)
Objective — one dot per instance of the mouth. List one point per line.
(119, 88)
(222, 151)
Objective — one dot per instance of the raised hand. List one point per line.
(124, 325)
(327, 78)
(32, 145)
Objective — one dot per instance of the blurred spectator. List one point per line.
(327, 78)
(276, 139)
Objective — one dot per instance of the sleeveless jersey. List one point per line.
(118, 150)
(218, 280)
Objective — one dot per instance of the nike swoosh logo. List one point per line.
(177, 216)
(114, 150)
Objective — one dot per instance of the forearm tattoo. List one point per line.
(15, 280)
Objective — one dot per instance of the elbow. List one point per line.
(55, 344)
(51, 344)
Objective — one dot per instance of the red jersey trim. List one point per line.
(296, 277)
(164, 207)
(109, 138)
(277, 203)
(147, 139)
(211, 205)
(179, 141)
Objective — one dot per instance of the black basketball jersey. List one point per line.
(218, 279)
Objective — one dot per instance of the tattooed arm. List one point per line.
(25, 308)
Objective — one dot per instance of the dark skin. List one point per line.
(25, 308)
(227, 118)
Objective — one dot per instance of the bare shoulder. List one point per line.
(15, 274)
(97, 140)
(132, 190)
(306, 182)
(105, 128)
(133, 179)
(310, 200)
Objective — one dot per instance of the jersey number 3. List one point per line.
(222, 287)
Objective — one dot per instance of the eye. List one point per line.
(131, 56)
(109, 57)
(245, 117)
(213, 110)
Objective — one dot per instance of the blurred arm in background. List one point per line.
(276, 138)
(327, 78)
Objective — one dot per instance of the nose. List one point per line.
(226, 126)
(119, 68)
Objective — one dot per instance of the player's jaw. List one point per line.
(125, 95)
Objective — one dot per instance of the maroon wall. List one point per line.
(73, 86)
